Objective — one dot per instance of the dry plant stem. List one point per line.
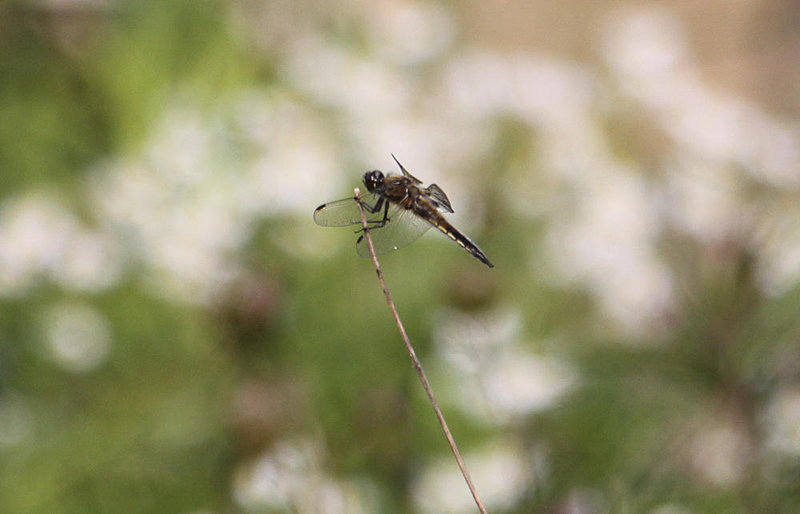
(417, 365)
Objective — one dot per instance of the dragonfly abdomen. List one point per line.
(442, 225)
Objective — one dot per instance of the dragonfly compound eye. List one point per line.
(373, 180)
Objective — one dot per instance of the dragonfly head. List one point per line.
(373, 180)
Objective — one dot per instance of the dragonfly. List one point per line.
(398, 211)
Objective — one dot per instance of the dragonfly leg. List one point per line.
(382, 203)
(372, 209)
(385, 214)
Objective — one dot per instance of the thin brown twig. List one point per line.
(417, 365)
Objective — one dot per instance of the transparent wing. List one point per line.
(439, 198)
(403, 228)
(342, 213)
(405, 171)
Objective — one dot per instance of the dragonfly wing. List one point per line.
(403, 228)
(439, 198)
(405, 171)
(341, 213)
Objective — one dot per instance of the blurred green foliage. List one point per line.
(193, 394)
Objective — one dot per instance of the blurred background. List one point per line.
(176, 335)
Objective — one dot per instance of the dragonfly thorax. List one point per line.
(373, 180)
